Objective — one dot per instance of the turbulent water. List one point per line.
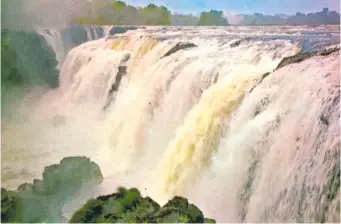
(202, 122)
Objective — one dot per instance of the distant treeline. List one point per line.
(107, 12)
(317, 18)
(111, 12)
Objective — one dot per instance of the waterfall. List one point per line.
(55, 40)
(61, 40)
(214, 122)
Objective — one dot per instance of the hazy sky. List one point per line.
(245, 6)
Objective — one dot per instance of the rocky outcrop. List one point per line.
(43, 200)
(260, 81)
(122, 71)
(236, 44)
(129, 206)
(178, 47)
(121, 29)
(303, 56)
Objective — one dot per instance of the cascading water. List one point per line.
(54, 38)
(62, 40)
(202, 121)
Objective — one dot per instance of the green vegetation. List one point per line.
(154, 15)
(26, 61)
(43, 200)
(128, 206)
(119, 13)
(212, 18)
(26, 58)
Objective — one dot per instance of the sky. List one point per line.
(244, 6)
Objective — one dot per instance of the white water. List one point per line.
(188, 125)
(61, 45)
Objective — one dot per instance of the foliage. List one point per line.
(119, 13)
(43, 200)
(154, 15)
(8, 204)
(212, 18)
(127, 205)
(26, 61)
(26, 58)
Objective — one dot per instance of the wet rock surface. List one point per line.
(303, 56)
(178, 47)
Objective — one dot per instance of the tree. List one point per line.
(213, 18)
(154, 15)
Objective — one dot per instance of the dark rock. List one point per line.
(261, 106)
(329, 51)
(324, 119)
(303, 56)
(121, 29)
(295, 59)
(75, 34)
(238, 42)
(122, 71)
(178, 47)
(129, 206)
(235, 44)
(260, 81)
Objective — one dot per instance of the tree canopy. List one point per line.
(119, 13)
(213, 18)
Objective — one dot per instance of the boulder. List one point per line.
(295, 59)
(178, 47)
(303, 56)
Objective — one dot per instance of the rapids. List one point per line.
(202, 122)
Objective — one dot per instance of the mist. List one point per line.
(27, 14)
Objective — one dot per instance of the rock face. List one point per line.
(121, 29)
(128, 206)
(178, 47)
(303, 56)
(236, 44)
(43, 200)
